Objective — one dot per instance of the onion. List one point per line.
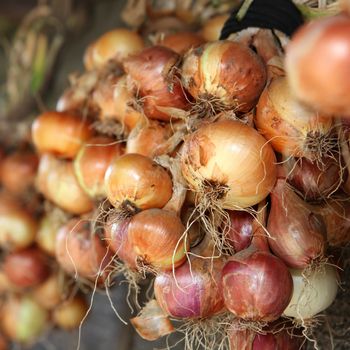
(153, 72)
(296, 234)
(6, 287)
(3, 342)
(17, 226)
(57, 182)
(114, 45)
(88, 59)
(230, 161)
(182, 41)
(211, 29)
(26, 268)
(291, 128)
(23, 320)
(80, 252)
(70, 313)
(92, 161)
(312, 294)
(315, 180)
(138, 180)
(317, 65)
(157, 237)
(345, 6)
(224, 75)
(59, 133)
(18, 171)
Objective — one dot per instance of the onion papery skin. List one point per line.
(46, 234)
(153, 74)
(156, 236)
(291, 128)
(26, 268)
(23, 320)
(318, 64)
(229, 72)
(296, 234)
(313, 293)
(315, 181)
(114, 45)
(257, 285)
(232, 155)
(182, 41)
(149, 139)
(57, 182)
(211, 30)
(92, 161)
(117, 237)
(138, 180)
(60, 133)
(81, 252)
(17, 226)
(193, 291)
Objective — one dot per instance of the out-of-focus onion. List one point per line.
(211, 29)
(313, 292)
(57, 182)
(92, 161)
(182, 41)
(3, 342)
(318, 65)
(60, 133)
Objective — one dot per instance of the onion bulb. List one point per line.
(92, 161)
(291, 128)
(211, 29)
(138, 180)
(224, 75)
(57, 182)
(60, 133)
(312, 293)
(318, 65)
(182, 41)
(296, 234)
(157, 237)
(153, 73)
(231, 162)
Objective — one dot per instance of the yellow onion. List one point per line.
(291, 128)
(182, 41)
(138, 180)
(224, 75)
(312, 293)
(232, 158)
(57, 182)
(211, 29)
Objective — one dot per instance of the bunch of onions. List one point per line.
(115, 45)
(26, 268)
(211, 30)
(17, 226)
(18, 171)
(224, 75)
(317, 65)
(80, 252)
(57, 182)
(181, 42)
(92, 161)
(312, 294)
(296, 233)
(60, 133)
(153, 73)
(291, 128)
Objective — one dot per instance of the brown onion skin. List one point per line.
(212, 28)
(26, 268)
(257, 285)
(182, 41)
(296, 234)
(78, 251)
(60, 133)
(225, 70)
(92, 161)
(317, 64)
(152, 72)
(156, 237)
(57, 182)
(18, 171)
(137, 179)
(194, 292)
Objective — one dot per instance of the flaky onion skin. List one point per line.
(233, 156)
(228, 72)
(318, 65)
